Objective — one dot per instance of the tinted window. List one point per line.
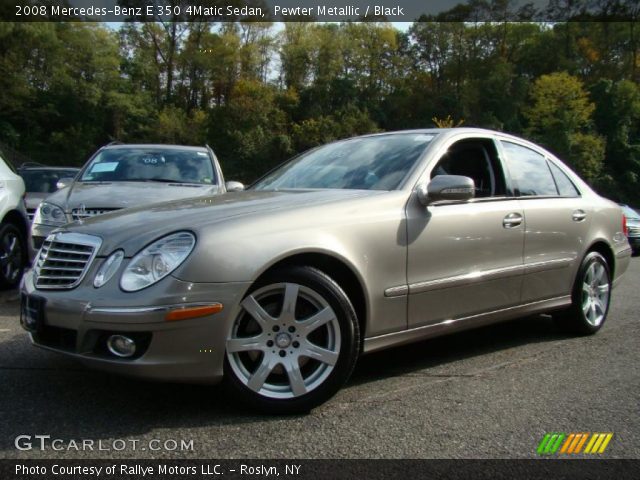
(529, 170)
(380, 162)
(150, 165)
(44, 181)
(565, 186)
(476, 159)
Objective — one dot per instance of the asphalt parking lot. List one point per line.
(489, 393)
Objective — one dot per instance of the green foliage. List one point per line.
(258, 93)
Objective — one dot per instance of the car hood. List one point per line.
(116, 195)
(133, 228)
(33, 199)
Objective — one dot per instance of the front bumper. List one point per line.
(185, 350)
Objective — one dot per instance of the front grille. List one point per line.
(634, 230)
(31, 212)
(64, 260)
(81, 214)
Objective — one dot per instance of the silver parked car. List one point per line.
(120, 176)
(352, 247)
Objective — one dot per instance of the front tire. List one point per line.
(591, 297)
(294, 342)
(12, 256)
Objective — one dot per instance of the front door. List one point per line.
(465, 258)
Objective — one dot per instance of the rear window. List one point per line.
(530, 171)
(564, 184)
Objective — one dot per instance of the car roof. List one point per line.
(154, 145)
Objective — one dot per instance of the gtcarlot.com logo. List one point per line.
(574, 443)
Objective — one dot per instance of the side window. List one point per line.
(565, 185)
(530, 171)
(478, 160)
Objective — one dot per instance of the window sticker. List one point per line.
(104, 167)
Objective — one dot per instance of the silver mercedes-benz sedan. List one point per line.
(349, 248)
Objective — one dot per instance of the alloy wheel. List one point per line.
(595, 293)
(285, 342)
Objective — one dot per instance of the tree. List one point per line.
(560, 118)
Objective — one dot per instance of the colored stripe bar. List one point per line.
(543, 443)
(605, 442)
(594, 437)
(556, 445)
(567, 442)
(581, 443)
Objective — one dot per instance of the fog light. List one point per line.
(121, 346)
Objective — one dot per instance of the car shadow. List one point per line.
(46, 394)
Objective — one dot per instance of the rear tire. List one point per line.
(294, 343)
(591, 297)
(13, 256)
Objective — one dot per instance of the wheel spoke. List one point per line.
(589, 275)
(319, 319)
(321, 354)
(592, 313)
(295, 377)
(289, 302)
(12, 245)
(245, 344)
(601, 276)
(257, 379)
(598, 306)
(586, 306)
(253, 308)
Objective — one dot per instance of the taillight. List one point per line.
(624, 226)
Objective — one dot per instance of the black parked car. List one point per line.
(40, 181)
(633, 228)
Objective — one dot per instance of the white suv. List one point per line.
(14, 231)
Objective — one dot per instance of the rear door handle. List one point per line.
(579, 215)
(512, 220)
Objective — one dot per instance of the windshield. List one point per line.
(44, 181)
(630, 213)
(379, 162)
(150, 165)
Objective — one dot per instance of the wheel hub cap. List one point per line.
(283, 340)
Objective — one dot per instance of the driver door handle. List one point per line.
(512, 220)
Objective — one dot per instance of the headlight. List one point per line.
(108, 268)
(50, 214)
(157, 261)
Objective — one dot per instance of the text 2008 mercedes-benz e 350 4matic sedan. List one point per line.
(352, 247)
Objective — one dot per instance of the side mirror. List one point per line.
(64, 182)
(446, 188)
(234, 186)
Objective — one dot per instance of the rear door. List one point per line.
(556, 217)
